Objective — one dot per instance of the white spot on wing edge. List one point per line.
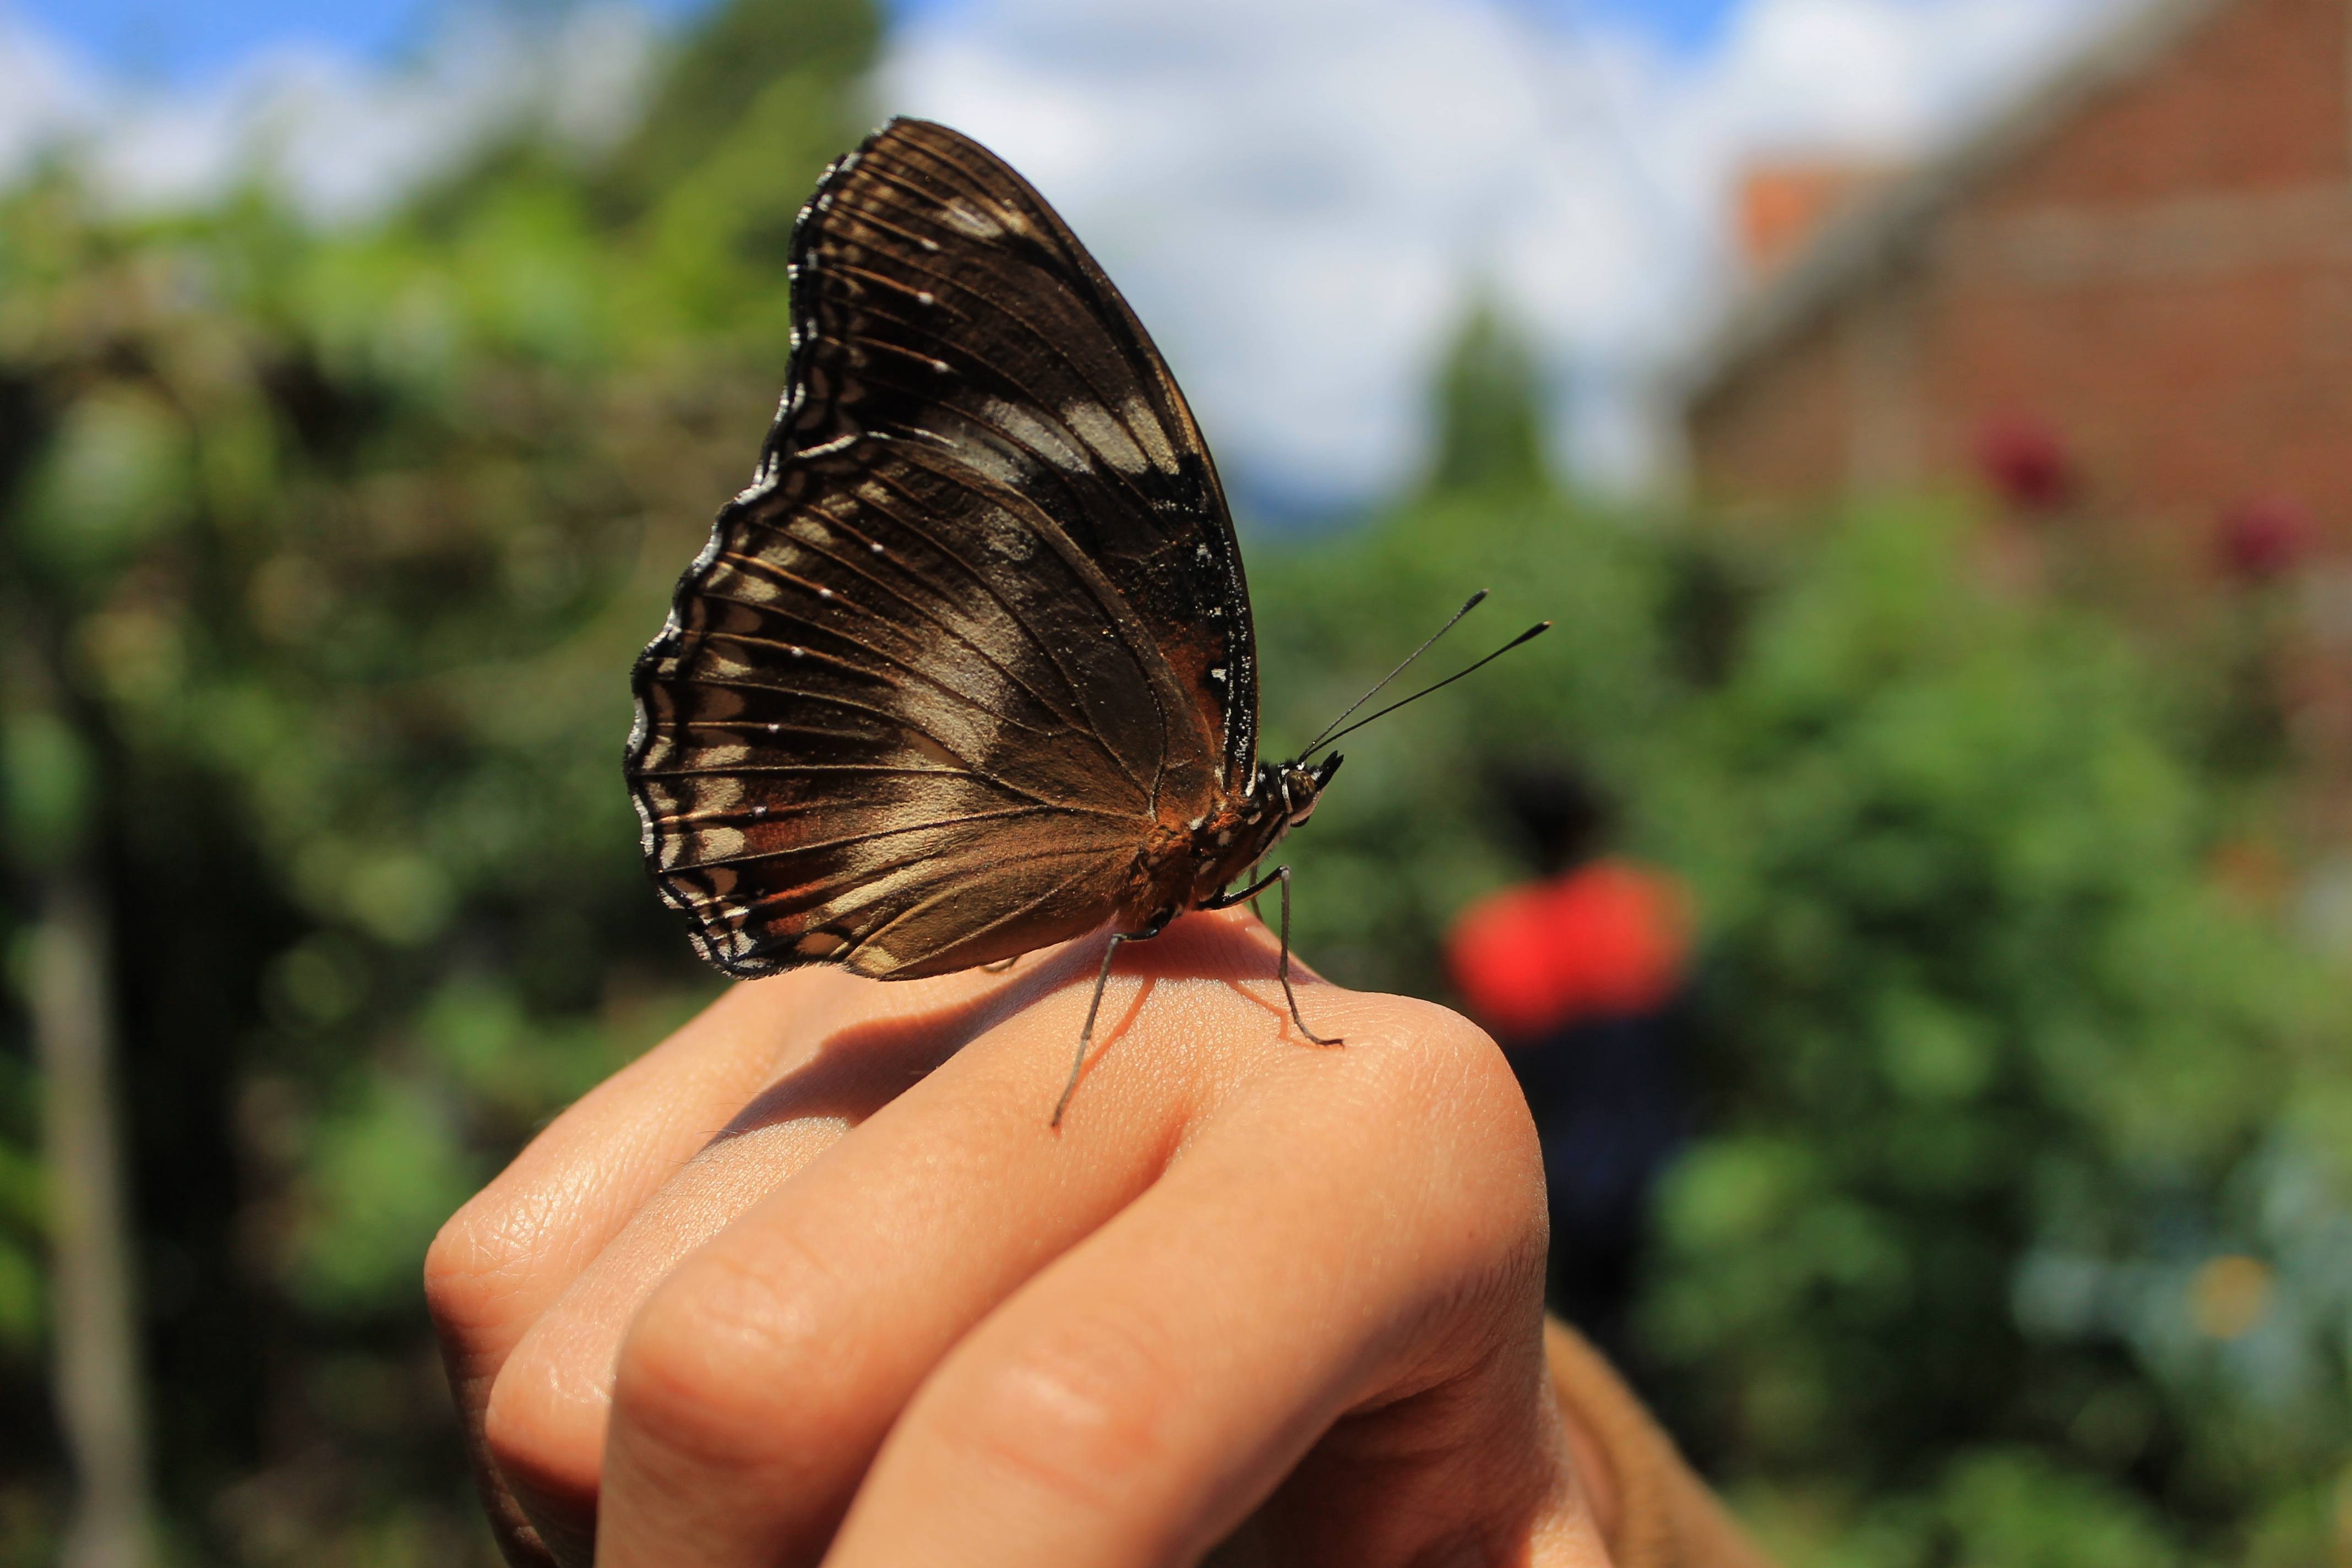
(826, 448)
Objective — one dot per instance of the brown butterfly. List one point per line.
(968, 669)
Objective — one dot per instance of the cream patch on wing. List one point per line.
(820, 944)
(717, 843)
(740, 578)
(961, 214)
(722, 658)
(1146, 426)
(1097, 429)
(695, 845)
(990, 460)
(982, 730)
(1037, 435)
(719, 793)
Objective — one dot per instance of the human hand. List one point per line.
(814, 1280)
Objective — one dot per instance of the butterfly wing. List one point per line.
(921, 703)
(951, 304)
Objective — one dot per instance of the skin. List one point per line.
(814, 1282)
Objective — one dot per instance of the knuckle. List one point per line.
(1437, 1059)
(475, 1263)
(1082, 1414)
(1446, 1088)
(722, 1349)
(536, 1437)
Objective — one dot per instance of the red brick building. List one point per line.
(2146, 266)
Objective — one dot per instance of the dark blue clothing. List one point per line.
(1611, 1107)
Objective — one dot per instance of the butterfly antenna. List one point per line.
(1532, 632)
(1468, 606)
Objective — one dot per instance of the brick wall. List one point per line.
(2164, 280)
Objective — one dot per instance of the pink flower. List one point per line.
(2264, 538)
(2026, 464)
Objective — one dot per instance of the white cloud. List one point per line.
(45, 94)
(342, 139)
(1302, 198)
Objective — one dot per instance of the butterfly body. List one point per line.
(1244, 831)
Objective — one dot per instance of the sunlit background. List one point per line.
(1929, 421)
(1302, 199)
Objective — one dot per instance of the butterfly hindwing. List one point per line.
(897, 715)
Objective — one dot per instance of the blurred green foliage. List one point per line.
(1487, 413)
(2018, 1230)
(322, 560)
(2018, 1233)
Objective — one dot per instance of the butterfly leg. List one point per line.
(1001, 965)
(1086, 1035)
(1226, 900)
(1282, 874)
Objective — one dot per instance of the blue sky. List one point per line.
(175, 41)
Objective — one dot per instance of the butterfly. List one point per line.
(968, 669)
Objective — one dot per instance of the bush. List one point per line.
(2013, 1233)
(2017, 1232)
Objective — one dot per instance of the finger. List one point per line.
(645, 1167)
(547, 1411)
(763, 1374)
(1136, 1401)
(511, 1249)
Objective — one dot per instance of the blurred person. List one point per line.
(814, 1278)
(1578, 974)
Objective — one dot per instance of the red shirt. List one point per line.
(1607, 938)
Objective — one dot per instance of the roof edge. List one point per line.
(1872, 238)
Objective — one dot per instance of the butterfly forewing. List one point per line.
(977, 632)
(947, 303)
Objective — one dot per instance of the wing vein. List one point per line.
(955, 477)
(748, 639)
(920, 905)
(852, 566)
(927, 825)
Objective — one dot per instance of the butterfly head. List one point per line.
(1281, 796)
(1298, 786)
